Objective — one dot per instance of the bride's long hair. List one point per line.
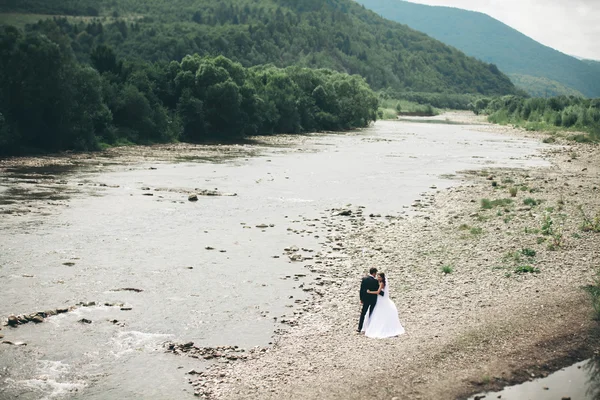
(382, 275)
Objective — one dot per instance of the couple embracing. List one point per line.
(379, 315)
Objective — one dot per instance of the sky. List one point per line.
(569, 26)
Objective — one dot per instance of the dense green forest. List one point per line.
(543, 87)
(49, 101)
(335, 34)
(552, 114)
(488, 39)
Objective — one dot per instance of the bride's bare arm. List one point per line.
(376, 291)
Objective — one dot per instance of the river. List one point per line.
(205, 271)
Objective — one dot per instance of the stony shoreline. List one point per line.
(509, 308)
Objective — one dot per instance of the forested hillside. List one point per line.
(335, 34)
(490, 40)
(543, 87)
(50, 102)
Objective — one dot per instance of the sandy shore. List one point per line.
(482, 326)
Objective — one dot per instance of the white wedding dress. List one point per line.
(383, 322)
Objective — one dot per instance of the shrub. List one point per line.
(513, 191)
(547, 228)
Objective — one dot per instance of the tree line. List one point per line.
(556, 113)
(49, 101)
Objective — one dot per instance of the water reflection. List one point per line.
(580, 381)
(592, 368)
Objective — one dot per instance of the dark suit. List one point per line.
(368, 300)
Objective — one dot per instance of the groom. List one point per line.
(367, 300)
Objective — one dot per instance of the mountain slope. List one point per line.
(543, 87)
(336, 34)
(490, 40)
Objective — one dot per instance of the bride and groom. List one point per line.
(382, 319)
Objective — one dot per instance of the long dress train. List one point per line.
(384, 321)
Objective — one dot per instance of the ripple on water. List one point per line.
(52, 380)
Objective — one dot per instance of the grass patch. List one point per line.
(526, 269)
(473, 230)
(520, 256)
(476, 231)
(534, 231)
(528, 252)
(520, 261)
(531, 202)
(447, 269)
(488, 204)
(590, 224)
(582, 138)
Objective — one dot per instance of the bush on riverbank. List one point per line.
(50, 102)
(557, 113)
(391, 108)
(451, 101)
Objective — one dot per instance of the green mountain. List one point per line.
(335, 34)
(488, 39)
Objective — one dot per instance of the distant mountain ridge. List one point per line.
(490, 40)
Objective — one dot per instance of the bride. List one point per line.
(383, 322)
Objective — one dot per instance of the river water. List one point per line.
(77, 234)
(581, 381)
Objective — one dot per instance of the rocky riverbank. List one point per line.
(487, 277)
